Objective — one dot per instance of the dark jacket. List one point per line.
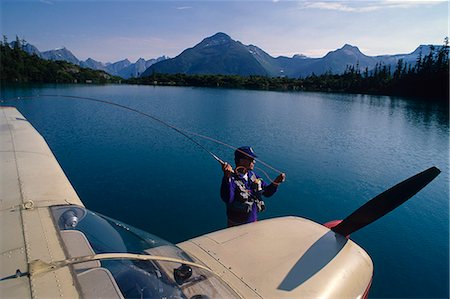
(243, 196)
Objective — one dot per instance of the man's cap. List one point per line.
(244, 152)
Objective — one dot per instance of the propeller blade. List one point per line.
(385, 202)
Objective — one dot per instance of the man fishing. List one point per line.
(242, 189)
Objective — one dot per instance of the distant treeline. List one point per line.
(427, 78)
(17, 66)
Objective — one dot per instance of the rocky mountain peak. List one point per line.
(217, 39)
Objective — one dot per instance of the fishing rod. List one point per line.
(176, 129)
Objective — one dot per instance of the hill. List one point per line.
(123, 68)
(427, 78)
(17, 66)
(220, 54)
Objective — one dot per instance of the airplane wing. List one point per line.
(31, 182)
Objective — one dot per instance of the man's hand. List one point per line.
(227, 169)
(279, 179)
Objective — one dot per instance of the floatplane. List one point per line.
(52, 246)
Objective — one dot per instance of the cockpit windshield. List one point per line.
(170, 272)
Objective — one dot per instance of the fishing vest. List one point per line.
(248, 192)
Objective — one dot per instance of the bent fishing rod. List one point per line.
(183, 132)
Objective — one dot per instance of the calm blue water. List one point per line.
(338, 151)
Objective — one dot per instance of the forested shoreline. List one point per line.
(427, 78)
(17, 66)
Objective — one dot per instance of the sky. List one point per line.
(109, 31)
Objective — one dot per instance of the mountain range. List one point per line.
(123, 68)
(220, 54)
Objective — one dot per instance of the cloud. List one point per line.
(328, 6)
(183, 7)
(46, 2)
(366, 6)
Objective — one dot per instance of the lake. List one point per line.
(337, 150)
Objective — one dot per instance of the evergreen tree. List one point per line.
(17, 66)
